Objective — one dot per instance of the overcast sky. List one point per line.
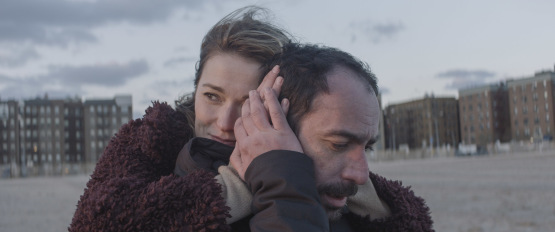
(148, 48)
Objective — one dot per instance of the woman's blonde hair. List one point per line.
(246, 32)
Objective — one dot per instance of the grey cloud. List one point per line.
(18, 57)
(462, 73)
(178, 60)
(388, 29)
(462, 78)
(375, 32)
(109, 75)
(89, 13)
(72, 79)
(181, 49)
(58, 22)
(162, 87)
(384, 90)
(5, 79)
(34, 34)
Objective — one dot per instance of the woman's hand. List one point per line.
(256, 134)
(271, 80)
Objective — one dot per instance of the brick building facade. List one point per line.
(484, 114)
(428, 122)
(531, 102)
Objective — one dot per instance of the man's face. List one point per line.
(335, 133)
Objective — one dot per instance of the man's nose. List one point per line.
(356, 168)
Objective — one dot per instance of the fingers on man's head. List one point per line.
(270, 78)
(277, 115)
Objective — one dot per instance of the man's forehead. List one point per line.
(351, 112)
(341, 74)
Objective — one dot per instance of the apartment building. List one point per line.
(44, 130)
(102, 119)
(10, 129)
(423, 123)
(531, 103)
(484, 114)
(74, 128)
(48, 136)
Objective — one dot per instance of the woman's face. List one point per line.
(223, 87)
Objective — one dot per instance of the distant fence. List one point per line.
(47, 169)
(491, 149)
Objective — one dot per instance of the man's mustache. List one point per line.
(338, 189)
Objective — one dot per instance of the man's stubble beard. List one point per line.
(337, 190)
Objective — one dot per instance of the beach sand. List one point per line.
(504, 192)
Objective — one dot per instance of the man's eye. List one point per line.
(368, 148)
(339, 146)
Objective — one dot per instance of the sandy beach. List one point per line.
(504, 192)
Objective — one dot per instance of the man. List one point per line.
(301, 169)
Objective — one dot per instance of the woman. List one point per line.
(132, 188)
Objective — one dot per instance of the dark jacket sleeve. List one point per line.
(133, 189)
(284, 193)
(408, 212)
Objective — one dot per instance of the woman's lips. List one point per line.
(229, 142)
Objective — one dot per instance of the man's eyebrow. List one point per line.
(374, 140)
(352, 136)
(214, 87)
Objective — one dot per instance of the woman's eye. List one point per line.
(212, 97)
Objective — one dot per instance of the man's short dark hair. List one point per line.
(305, 68)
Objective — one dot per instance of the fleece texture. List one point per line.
(133, 189)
